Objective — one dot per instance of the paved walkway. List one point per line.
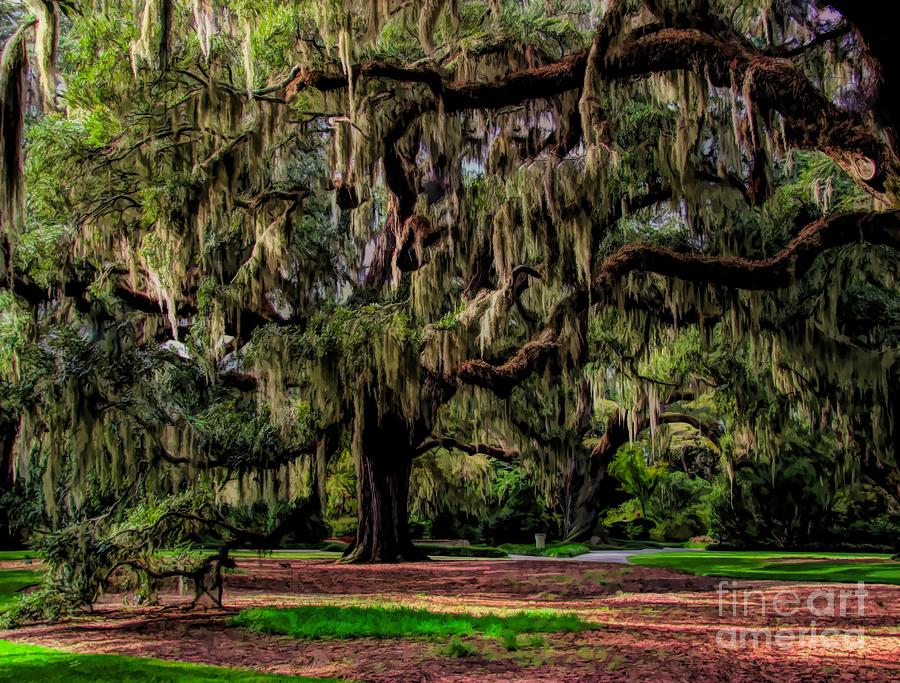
(614, 556)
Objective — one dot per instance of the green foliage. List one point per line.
(81, 554)
(340, 489)
(96, 51)
(681, 506)
(663, 503)
(519, 512)
(327, 623)
(444, 481)
(13, 338)
(784, 501)
(450, 321)
(510, 642)
(636, 476)
(243, 436)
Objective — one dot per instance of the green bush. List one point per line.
(794, 501)
(343, 526)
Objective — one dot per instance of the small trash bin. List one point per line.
(540, 541)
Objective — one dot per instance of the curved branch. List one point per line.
(821, 39)
(774, 85)
(707, 431)
(772, 273)
(502, 379)
(543, 81)
(520, 280)
(451, 443)
(731, 271)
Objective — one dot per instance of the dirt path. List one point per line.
(664, 626)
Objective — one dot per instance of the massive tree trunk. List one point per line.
(592, 487)
(8, 433)
(586, 497)
(382, 533)
(384, 455)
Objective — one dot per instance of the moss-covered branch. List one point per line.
(776, 272)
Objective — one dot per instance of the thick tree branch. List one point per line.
(774, 85)
(450, 443)
(772, 273)
(502, 379)
(544, 81)
(708, 431)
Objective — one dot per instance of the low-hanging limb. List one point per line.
(212, 564)
(777, 272)
(774, 85)
(737, 272)
(451, 443)
(502, 379)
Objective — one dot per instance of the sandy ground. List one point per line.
(653, 624)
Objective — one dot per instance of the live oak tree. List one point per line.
(357, 218)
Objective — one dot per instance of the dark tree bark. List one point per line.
(383, 464)
(382, 534)
(8, 433)
(586, 486)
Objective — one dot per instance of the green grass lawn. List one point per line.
(12, 555)
(462, 551)
(12, 581)
(781, 566)
(328, 622)
(332, 552)
(32, 663)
